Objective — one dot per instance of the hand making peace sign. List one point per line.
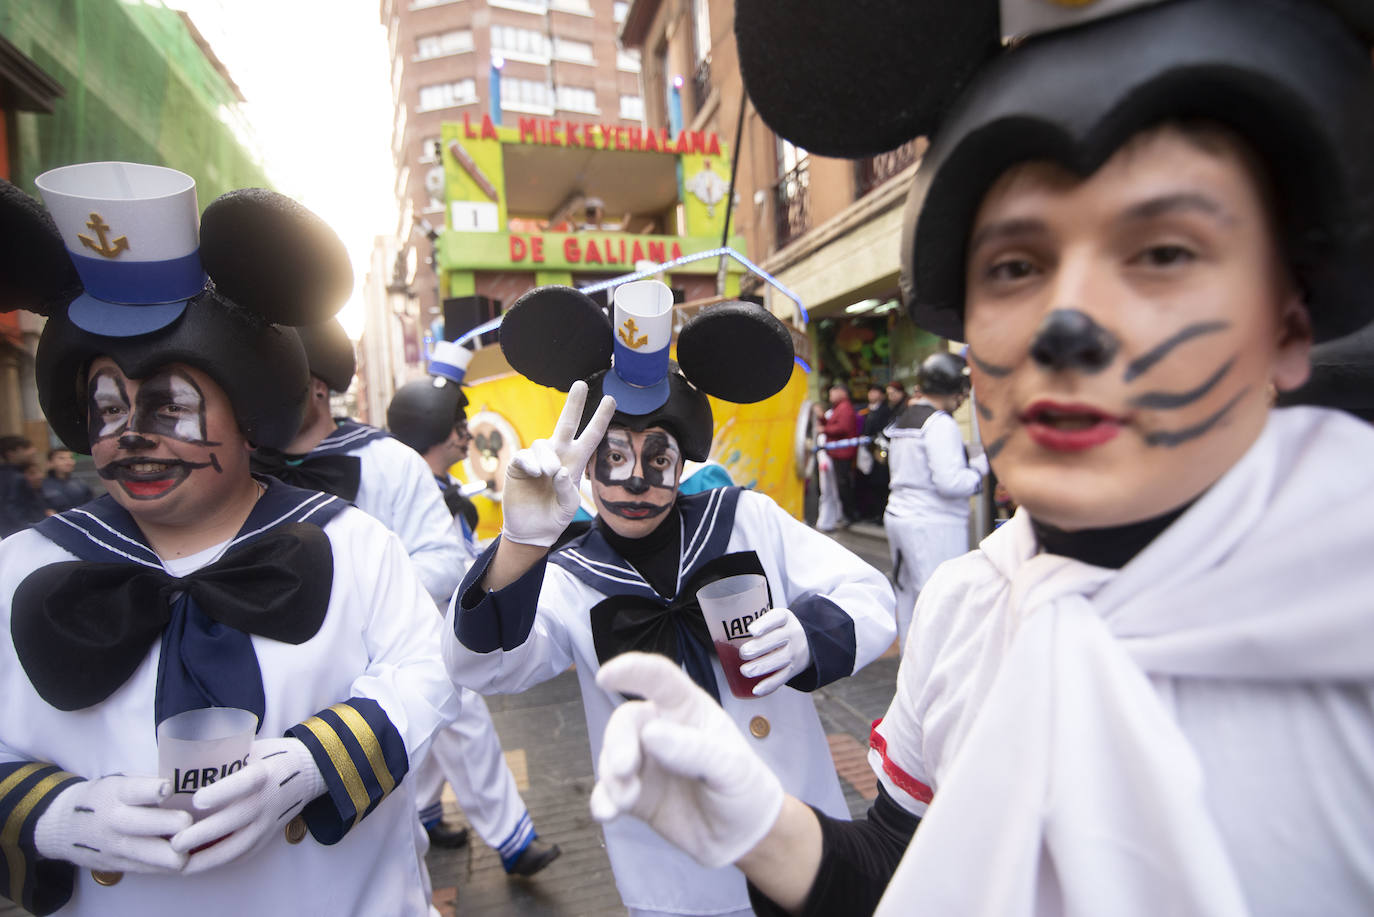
(540, 495)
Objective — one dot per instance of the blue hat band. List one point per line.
(639, 368)
(447, 370)
(141, 282)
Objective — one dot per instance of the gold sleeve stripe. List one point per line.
(343, 764)
(11, 848)
(368, 740)
(9, 837)
(16, 778)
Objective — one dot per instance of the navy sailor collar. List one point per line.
(707, 520)
(102, 531)
(347, 438)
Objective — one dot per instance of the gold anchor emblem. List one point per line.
(627, 334)
(109, 248)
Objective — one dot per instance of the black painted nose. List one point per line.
(637, 485)
(1070, 339)
(131, 440)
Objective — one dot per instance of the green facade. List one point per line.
(138, 88)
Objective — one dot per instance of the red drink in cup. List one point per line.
(729, 605)
(740, 684)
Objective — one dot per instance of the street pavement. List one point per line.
(544, 736)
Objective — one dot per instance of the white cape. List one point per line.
(1075, 792)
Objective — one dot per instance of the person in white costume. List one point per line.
(430, 417)
(932, 478)
(1152, 690)
(193, 584)
(524, 614)
(390, 481)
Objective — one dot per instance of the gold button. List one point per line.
(106, 878)
(295, 830)
(759, 728)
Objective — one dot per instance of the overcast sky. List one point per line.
(316, 77)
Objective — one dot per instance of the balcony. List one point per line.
(701, 84)
(792, 204)
(874, 171)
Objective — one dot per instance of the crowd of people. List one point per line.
(29, 492)
(1150, 691)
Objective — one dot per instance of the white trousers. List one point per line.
(468, 754)
(830, 512)
(918, 546)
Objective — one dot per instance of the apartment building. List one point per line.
(463, 61)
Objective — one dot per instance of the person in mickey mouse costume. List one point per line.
(523, 614)
(430, 416)
(194, 584)
(932, 479)
(1151, 691)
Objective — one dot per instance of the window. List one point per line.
(526, 95)
(573, 98)
(429, 149)
(619, 10)
(520, 44)
(631, 108)
(792, 193)
(397, 72)
(398, 130)
(455, 41)
(584, 7)
(421, 4)
(627, 60)
(446, 95)
(701, 20)
(579, 51)
(524, 6)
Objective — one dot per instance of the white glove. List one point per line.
(780, 646)
(540, 494)
(113, 825)
(979, 463)
(678, 762)
(279, 779)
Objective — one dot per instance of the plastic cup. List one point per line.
(199, 747)
(729, 605)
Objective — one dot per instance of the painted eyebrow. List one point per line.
(1182, 202)
(1017, 227)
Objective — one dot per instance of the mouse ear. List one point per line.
(35, 271)
(271, 255)
(857, 78)
(556, 335)
(736, 351)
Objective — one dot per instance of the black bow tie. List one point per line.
(332, 474)
(81, 629)
(675, 629)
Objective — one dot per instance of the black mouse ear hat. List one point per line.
(423, 413)
(1071, 82)
(734, 351)
(157, 284)
(329, 353)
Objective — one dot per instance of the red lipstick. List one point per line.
(1067, 427)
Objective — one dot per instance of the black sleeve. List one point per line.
(857, 860)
